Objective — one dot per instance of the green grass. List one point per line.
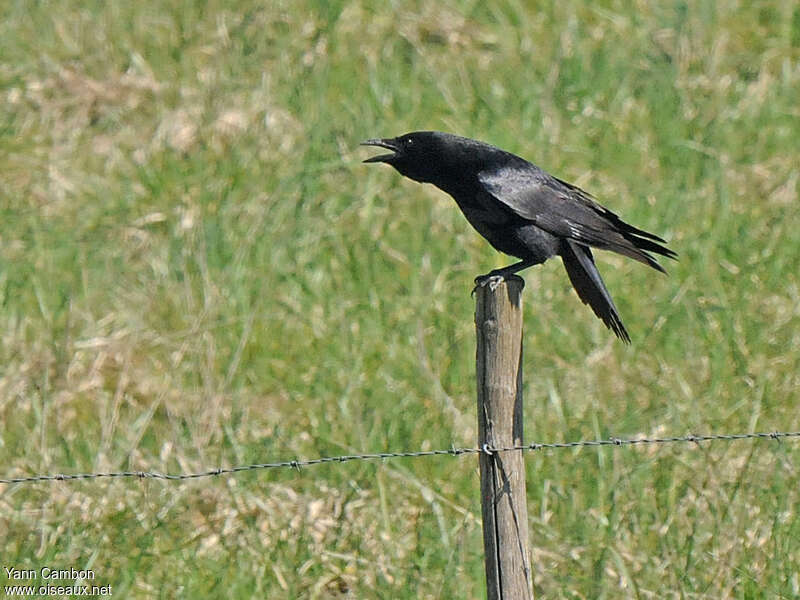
(197, 270)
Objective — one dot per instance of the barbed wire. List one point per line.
(486, 449)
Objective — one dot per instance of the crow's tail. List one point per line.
(586, 280)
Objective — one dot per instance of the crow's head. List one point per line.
(421, 155)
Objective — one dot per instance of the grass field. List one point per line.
(196, 270)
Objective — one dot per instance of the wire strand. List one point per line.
(298, 464)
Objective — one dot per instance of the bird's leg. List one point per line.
(497, 276)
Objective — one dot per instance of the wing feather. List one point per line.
(567, 211)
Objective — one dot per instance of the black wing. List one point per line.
(568, 212)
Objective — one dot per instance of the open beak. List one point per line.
(381, 143)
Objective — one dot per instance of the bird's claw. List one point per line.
(493, 280)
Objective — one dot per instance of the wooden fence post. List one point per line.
(498, 320)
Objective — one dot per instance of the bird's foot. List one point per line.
(493, 280)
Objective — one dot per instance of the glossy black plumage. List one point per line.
(524, 211)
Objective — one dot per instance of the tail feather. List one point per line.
(585, 278)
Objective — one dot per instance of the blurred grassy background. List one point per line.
(196, 270)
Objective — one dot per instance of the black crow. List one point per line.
(523, 211)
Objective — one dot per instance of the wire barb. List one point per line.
(296, 464)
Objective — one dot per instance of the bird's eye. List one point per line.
(409, 142)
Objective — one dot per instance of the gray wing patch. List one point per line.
(566, 211)
(555, 207)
